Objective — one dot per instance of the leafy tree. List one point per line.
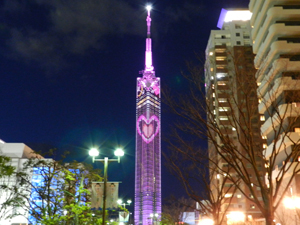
(8, 200)
(54, 192)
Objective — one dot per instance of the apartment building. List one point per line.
(229, 78)
(276, 43)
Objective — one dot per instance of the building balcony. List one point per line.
(266, 23)
(278, 66)
(291, 166)
(284, 112)
(280, 84)
(262, 61)
(285, 141)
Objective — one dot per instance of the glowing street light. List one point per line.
(235, 217)
(292, 203)
(206, 222)
(154, 217)
(95, 152)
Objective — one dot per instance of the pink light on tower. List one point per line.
(148, 141)
(148, 53)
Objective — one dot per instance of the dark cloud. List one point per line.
(65, 27)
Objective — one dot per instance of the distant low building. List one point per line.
(19, 154)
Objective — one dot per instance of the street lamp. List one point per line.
(154, 217)
(235, 217)
(120, 202)
(94, 153)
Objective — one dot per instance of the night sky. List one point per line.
(68, 71)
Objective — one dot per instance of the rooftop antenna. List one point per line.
(148, 55)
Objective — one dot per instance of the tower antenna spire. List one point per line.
(148, 53)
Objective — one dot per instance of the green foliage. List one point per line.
(5, 167)
(54, 192)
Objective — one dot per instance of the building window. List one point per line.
(238, 43)
(228, 195)
(262, 118)
(223, 118)
(237, 34)
(221, 83)
(252, 206)
(237, 26)
(222, 100)
(297, 129)
(239, 196)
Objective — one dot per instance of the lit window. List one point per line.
(233, 128)
(212, 77)
(220, 58)
(221, 83)
(222, 100)
(297, 129)
(228, 195)
(259, 100)
(264, 137)
(223, 109)
(218, 176)
(239, 196)
(211, 69)
(211, 53)
(221, 75)
(223, 118)
(252, 206)
(214, 95)
(262, 118)
(265, 146)
(258, 84)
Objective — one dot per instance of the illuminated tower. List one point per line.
(147, 204)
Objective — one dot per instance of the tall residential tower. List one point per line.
(230, 91)
(147, 205)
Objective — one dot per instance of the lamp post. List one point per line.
(120, 202)
(94, 153)
(154, 217)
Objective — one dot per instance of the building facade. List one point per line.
(148, 141)
(19, 154)
(230, 88)
(276, 43)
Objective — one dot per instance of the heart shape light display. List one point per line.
(148, 128)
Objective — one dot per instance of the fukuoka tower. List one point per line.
(147, 204)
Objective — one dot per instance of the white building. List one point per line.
(276, 43)
(229, 69)
(19, 153)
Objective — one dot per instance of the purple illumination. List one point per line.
(148, 54)
(221, 18)
(148, 128)
(148, 142)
